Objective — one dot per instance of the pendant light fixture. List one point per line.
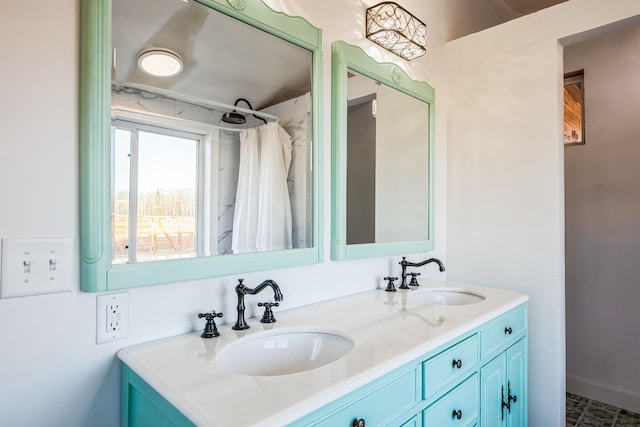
(397, 30)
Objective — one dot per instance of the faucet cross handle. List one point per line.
(268, 316)
(414, 280)
(390, 286)
(210, 329)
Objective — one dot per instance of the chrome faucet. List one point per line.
(404, 264)
(242, 290)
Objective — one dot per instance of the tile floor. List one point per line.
(583, 412)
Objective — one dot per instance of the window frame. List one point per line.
(572, 78)
(206, 174)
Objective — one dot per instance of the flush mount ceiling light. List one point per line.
(160, 62)
(396, 30)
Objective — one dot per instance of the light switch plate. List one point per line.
(36, 266)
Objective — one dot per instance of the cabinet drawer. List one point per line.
(380, 406)
(503, 332)
(449, 365)
(461, 402)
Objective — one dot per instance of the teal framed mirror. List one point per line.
(382, 158)
(210, 165)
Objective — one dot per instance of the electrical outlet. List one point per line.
(114, 314)
(112, 320)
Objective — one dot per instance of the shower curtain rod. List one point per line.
(192, 99)
(133, 114)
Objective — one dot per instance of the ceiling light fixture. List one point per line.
(395, 29)
(160, 62)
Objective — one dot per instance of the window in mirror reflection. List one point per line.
(156, 180)
(387, 163)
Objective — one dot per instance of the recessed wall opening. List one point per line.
(602, 209)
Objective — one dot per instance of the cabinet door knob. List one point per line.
(456, 363)
(508, 330)
(358, 423)
(457, 414)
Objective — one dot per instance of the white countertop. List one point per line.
(388, 329)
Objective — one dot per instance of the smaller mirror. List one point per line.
(383, 158)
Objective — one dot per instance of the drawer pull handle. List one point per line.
(358, 423)
(457, 414)
(456, 363)
(508, 331)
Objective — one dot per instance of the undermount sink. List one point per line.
(284, 351)
(446, 296)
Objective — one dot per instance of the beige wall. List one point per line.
(505, 213)
(602, 193)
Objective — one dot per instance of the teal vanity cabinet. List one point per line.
(459, 384)
(424, 393)
(476, 378)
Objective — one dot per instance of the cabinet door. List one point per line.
(504, 380)
(517, 384)
(492, 381)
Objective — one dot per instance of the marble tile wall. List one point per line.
(143, 101)
(228, 166)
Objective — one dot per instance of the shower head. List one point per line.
(234, 118)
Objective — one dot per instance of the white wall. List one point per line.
(51, 371)
(505, 184)
(602, 195)
(467, 16)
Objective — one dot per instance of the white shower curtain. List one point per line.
(245, 218)
(262, 218)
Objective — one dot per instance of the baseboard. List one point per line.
(615, 396)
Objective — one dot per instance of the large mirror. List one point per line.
(382, 158)
(199, 131)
